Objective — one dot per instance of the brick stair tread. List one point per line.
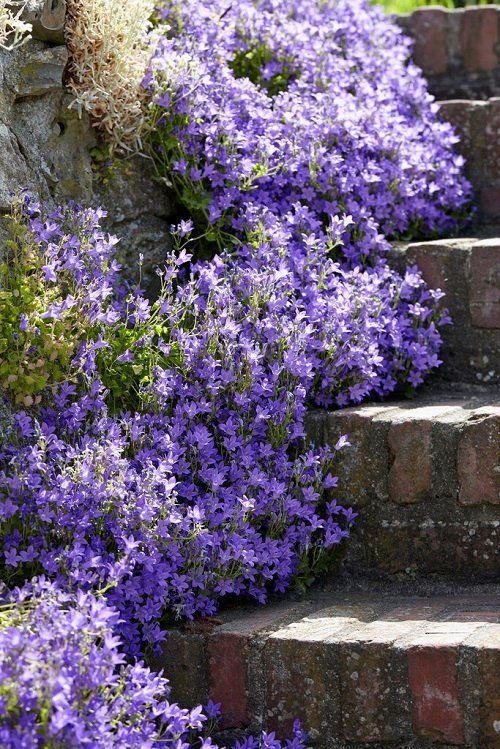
(356, 667)
(424, 477)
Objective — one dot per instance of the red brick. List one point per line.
(478, 39)
(486, 642)
(415, 611)
(228, 654)
(484, 284)
(437, 713)
(477, 460)
(429, 29)
(489, 616)
(410, 474)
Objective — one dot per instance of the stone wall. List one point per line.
(46, 147)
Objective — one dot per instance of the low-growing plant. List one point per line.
(273, 110)
(47, 303)
(65, 683)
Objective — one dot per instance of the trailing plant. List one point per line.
(268, 109)
(65, 683)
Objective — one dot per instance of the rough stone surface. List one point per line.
(468, 271)
(424, 477)
(360, 670)
(47, 19)
(46, 148)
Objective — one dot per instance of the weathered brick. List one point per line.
(438, 712)
(363, 465)
(479, 37)
(184, 662)
(228, 653)
(469, 119)
(300, 670)
(478, 459)
(374, 683)
(489, 200)
(484, 284)
(492, 140)
(486, 643)
(466, 549)
(410, 449)
(228, 650)
(429, 28)
(416, 611)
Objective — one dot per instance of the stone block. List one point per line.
(429, 27)
(479, 39)
(410, 451)
(47, 18)
(484, 284)
(42, 73)
(478, 459)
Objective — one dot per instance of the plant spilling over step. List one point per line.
(290, 111)
(153, 450)
(65, 683)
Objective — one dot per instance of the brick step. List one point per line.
(424, 476)
(379, 669)
(477, 123)
(458, 50)
(468, 271)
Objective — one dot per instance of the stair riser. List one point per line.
(426, 484)
(457, 50)
(362, 673)
(477, 124)
(468, 271)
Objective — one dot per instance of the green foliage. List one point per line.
(406, 6)
(34, 352)
(134, 351)
(249, 63)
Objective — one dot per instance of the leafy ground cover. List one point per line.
(407, 6)
(153, 458)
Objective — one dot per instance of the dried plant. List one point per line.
(13, 30)
(109, 42)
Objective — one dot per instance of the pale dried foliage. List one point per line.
(13, 30)
(110, 44)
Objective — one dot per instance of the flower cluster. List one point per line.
(277, 105)
(155, 455)
(55, 283)
(204, 489)
(64, 682)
